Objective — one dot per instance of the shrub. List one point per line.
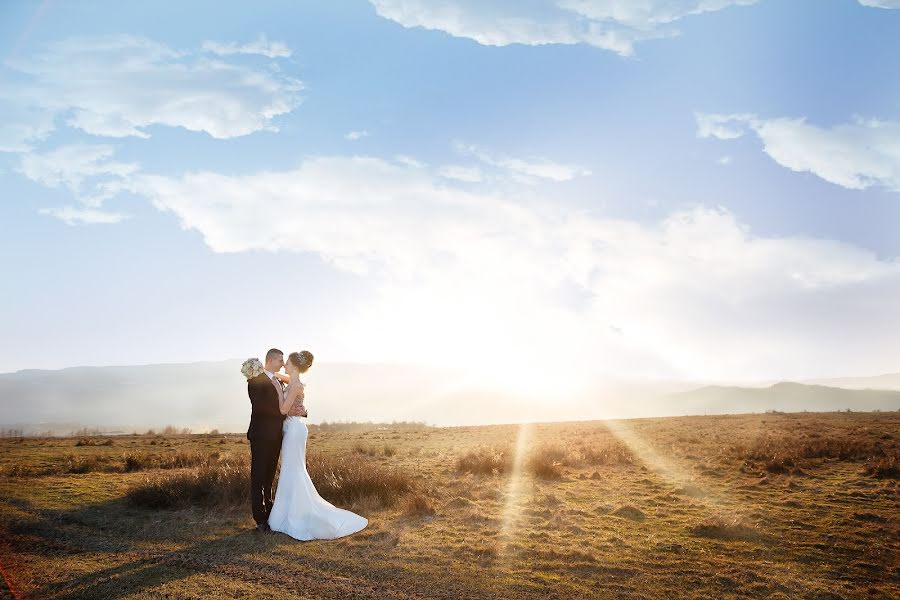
(130, 462)
(545, 462)
(93, 442)
(347, 479)
(81, 464)
(221, 485)
(340, 480)
(417, 505)
(885, 467)
(141, 461)
(553, 452)
(542, 463)
(185, 458)
(782, 454)
(134, 462)
(613, 453)
(359, 448)
(19, 470)
(485, 461)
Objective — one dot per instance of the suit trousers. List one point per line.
(263, 462)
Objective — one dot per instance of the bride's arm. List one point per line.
(282, 377)
(297, 409)
(288, 401)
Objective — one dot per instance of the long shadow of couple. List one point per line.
(103, 529)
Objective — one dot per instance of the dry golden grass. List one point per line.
(94, 442)
(763, 506)
(126, 462)
(884, 467)
(485, 461)
(213, 485)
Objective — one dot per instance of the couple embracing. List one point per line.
(277, 427)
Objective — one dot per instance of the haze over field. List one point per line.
(212, 395)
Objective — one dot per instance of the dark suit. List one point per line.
(264, 434)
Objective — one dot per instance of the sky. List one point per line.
(538, 192)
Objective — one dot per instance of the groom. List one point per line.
(266, 394)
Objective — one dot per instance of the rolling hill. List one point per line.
(209, 395)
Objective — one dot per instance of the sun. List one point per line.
(532, 379)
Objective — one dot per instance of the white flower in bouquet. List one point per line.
(251, 368)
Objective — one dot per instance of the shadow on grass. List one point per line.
(100, 528)
(111, 550)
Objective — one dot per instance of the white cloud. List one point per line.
(21, 127)
(615, 25)
(524, 170)
(83, 216)
(409, 161)
(136, 83)
(356, 135)
(881, 3)
(88, 172)
(261, 46)
(381, 200)
(725, 160)
(855, 155)
(466, 273)
(724, 127)
(71, 166)
(469, 174)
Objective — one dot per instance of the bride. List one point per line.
(299, 510)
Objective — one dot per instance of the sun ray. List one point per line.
(515, 485)
(668, 468)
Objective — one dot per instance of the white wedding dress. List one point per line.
(298, 509)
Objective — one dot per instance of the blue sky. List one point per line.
(702, 189)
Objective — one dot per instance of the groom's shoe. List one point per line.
(263, 528)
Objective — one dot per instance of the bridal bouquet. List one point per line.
(251, 368)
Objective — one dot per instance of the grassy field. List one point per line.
(767, 505)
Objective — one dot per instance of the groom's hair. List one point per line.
(273, 353)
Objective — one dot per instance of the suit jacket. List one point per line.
(266, 419)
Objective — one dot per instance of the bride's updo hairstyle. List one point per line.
(302, 360)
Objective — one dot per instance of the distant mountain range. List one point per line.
(888, 381)
(787, 397)
(202, 395)
(210, 395)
